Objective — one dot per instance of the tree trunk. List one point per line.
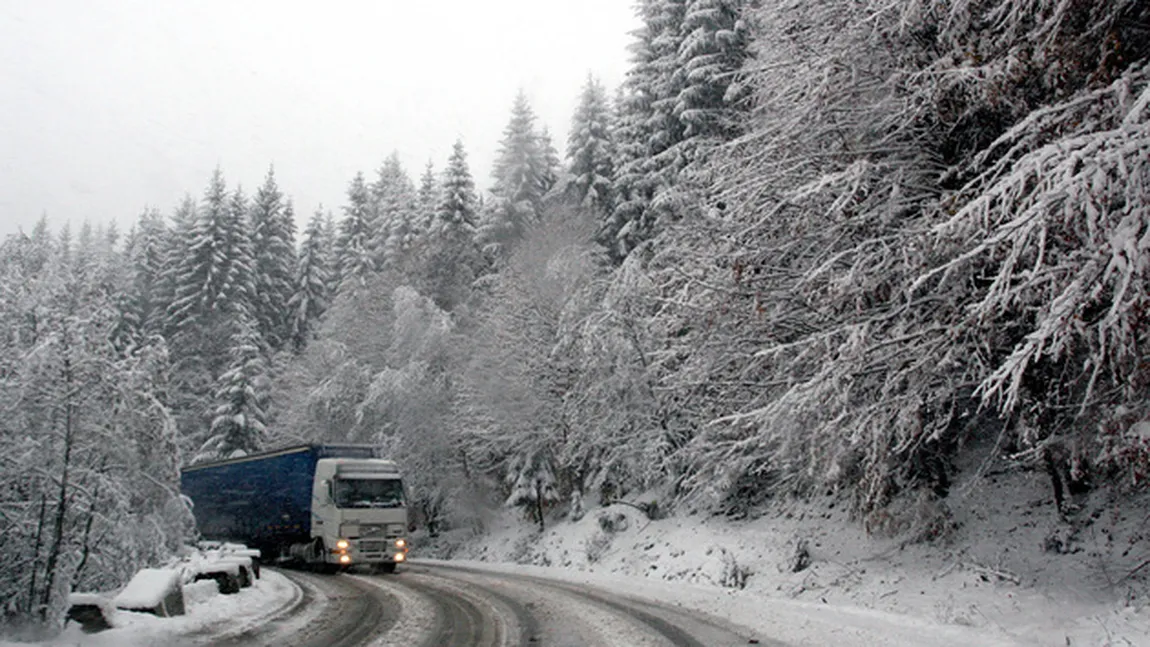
(36, 551)
(62, 501)
(539, 502)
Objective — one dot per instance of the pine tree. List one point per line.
(85, 253)
(213, 290)
(520, 165)
(457, 201)
(630, 221)
(330, 245)
(273, 256)
(239, 421)
(552, 166)
(451, 260)
(590, 149)
(173, 246)
(521, 177)
(145, 306)
(427, 198)
(396, 202)
(712, 53)
(65, 245)
(666, 130)
(312, 292)
(239, 239)
(353, 244)
(208, 275)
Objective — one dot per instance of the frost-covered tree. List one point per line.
(143, 307)
(521, 174)
(520, 163)
(211, 278)
(88, 483)
(552, 165)
(394, 196)
(590, 148)
(239, 419)
(451, 260)
(630, 222)
(213, 290)
(274, 262)
(311, 284)
(712, 53)
(905, 242)
(519, 385)
(354, 258)
(399, 227)
(427, 199)
(173, 248)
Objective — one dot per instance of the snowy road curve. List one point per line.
(327, 611)
(441, 605)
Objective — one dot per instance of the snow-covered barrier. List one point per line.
(158, 591)
(93, 612)
(232, 566)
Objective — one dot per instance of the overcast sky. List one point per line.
(110, 105)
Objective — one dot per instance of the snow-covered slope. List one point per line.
(1006, 569)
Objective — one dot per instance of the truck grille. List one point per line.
(371, 546)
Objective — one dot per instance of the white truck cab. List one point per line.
(359, 513)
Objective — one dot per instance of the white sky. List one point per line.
(107, 106)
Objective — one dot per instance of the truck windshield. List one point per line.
(368, 493)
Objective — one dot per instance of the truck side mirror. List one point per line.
(327, 496)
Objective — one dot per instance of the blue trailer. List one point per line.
(331, 505)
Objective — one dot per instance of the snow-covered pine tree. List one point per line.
(239, 419)
(590, 149)
(311, 284)
(213, 289)
(243, 271)
(520, 163)
(629, 222)
(427, 198)
(65, 244)
(144, 304)
(666, 130)
(209, 277)
(330, 245)
(552, 165)
(520, 172)
(354, 258)
(273, 260)
(712, 53)
(451, 261)
(173, 248)
(396, 202)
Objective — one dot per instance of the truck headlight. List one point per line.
(345, 559)
(342, 544)
(399, 557)
(400, 543)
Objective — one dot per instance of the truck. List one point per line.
(327, 506)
